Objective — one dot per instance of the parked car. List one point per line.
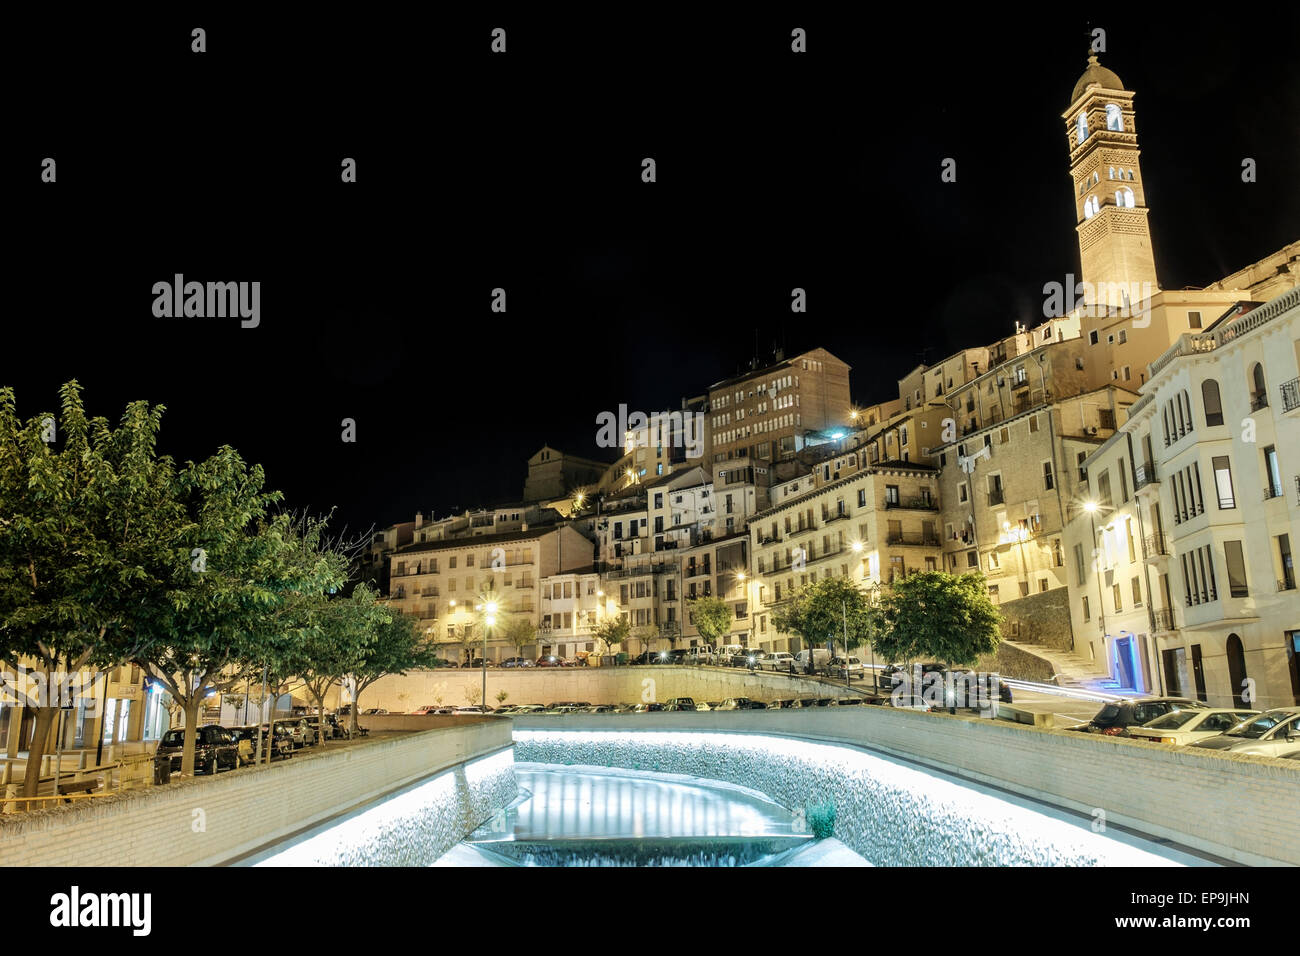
(703, 654)
(849, 701)
(295, 727)
(802, 702)
(374, 711)
(445, 710)
(625, 708)
(473, 662)
(736, 703)
(715, 705)
(282, 736)
(726, 652)
(1116, 717)
(1183, 727)
(648, 708)
(778, 661)
(516, 662)
(702, 705)
(215, 748)
(751, 657)
(550, 660)
(837, 666)
(312, 730)
(476, 709)
(521, 709)
(1274, 733)
(820, 659)
(599, 709)
(246, 741)
(427, 709)
(784, 704)
(680, 703)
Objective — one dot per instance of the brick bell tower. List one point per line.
(1109, 197)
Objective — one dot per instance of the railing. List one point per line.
(1146, 475)
(1286, 584)
(838, 516)
(768, 538)
(1163, 619)
(1290, 395)
(918, 503)
(1258, 400)
(1154, 544)
(996, 498)
(921, 540)
(1272, 492)
(1188, 343)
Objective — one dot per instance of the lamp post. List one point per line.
(491, 608)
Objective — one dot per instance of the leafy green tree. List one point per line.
(89, 533)
(397, 647)
(825, 612)
(712, 618)
(344, 628)
(519, 632)
(938, 615)
(612, 632)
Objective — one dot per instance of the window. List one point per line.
(1080, 569)
(1081, 125)
(1272, 473)
(1124, 197)
(1087, 615)
(1092, 337)
(1048, 480)
(972, 559)
(1136, 586)
(1236, 561)
(1259, 392)
(961, 492)
(1058, 556)
(1116, 597)
(1033, 424)
(1223, 482)
(1123, 337)
(1114, 118)
(1193, 320)
(995, 563)
(1210, 399)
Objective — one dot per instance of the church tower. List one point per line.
(1109, 198)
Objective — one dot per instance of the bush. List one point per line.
(821, 819)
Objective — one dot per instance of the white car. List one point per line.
(1274, 733)
(1183, 727)
(855, 667)
(777, 661)
(701, 705)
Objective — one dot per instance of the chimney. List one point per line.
(419, 520)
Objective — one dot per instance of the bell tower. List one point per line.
(1109, 197)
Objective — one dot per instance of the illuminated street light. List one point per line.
(857, 547)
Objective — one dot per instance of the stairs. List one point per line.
(1070, 669)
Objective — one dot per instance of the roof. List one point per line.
(1096, 75)
(448, 544)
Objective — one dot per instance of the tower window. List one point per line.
(1111, 174)
(1124, 197)
(1083, 126)
(1114, 118)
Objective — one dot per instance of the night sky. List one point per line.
(523, 171)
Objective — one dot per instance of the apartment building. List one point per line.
(874, 525)
(443, 582)
(1006, 490)
(765, 414)
(573, 605)
(1204, 542)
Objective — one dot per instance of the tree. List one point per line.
(397, 647)
(344, 628)
(826, 611)
(942, 616)
(611, 632)
(501, 697)
(472, 694)
(519, 632)
(88, 531)
(712, 618)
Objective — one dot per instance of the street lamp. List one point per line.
(491, 621)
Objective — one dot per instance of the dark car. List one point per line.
(749, 657)
(247, 736)
(652, 657)
(1116, 717)
(680, 703)
(516, 662)
(476, 662)
(214, 748)
(550, 660)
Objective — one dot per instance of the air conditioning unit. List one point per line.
(1092, 430)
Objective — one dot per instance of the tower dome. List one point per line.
(1096, 75)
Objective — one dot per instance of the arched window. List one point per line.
(1124, 197)
(1210, 399)
(1096, 178)
(1111, 174)
(1114, 118)
(1187, 405)
(1130, 174)
(1090, 207)
(1237, 671)
(1259, 391)
(1083, 126)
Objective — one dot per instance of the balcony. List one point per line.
(996, 498)
(915, 539)
(1258, 400)
(915, 503)
(838, 516)
(1163, 620)
(429, 592)
(767, 537)
(1291, 395)
(1145, 476)
(1272, 491)
(1154, 544)
(1020, 383)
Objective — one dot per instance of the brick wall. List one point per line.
(208, 820)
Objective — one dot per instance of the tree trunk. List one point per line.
(320, 717)
(41, 723)
(356, 709)
(191, 710)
